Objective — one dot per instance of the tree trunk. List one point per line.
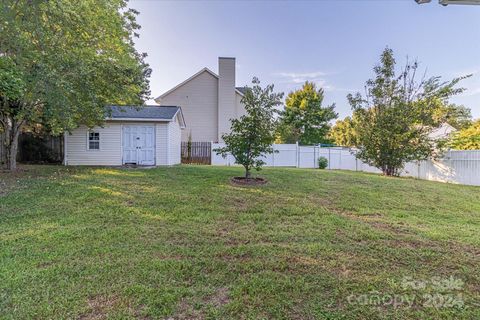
(10, 142)
(247, 173)
(389, 171)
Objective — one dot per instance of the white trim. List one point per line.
(239, 92)
(182, 123)
(121, 144)
(154, 142)
(159, 98)
(168, 144)
(140, 119)
(99, 140)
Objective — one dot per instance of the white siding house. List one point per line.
(142, 136)
(208, 101)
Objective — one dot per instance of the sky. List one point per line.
(334, 43)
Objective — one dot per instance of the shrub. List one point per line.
(322, 163)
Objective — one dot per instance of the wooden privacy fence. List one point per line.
(36, 149)
(196, 152)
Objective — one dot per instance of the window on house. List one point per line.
(93, 140)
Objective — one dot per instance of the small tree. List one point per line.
(394, 119)
(189, 147)
(252, 135)
(305, 119)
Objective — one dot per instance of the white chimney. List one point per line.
(226, 94)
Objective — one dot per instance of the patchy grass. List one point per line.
(184, 243)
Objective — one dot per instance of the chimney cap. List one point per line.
(226, 58)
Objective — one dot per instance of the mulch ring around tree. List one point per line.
(242, 181)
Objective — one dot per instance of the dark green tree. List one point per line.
(62, 61)
(253, 134)
(394, 118)
(305, 119)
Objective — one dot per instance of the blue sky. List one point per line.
(333, 43)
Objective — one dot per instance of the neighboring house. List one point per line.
(208, 102)
(442, 132)
(147, 135)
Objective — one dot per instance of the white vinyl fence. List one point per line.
(462, 167)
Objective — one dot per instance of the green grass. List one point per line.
(182, 242)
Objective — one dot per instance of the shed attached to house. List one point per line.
(147, 135)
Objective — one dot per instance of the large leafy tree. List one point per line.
(62, 61)
(343, 132)
(305, 119)
(394, 118)
(252, 135)
(458, 116)
(467, 138)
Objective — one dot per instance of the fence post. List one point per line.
(356, 161)
(340, 159)
(297, 158)
(273, 156)
(329, 159)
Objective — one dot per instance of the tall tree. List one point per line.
(457, 116)
(393, 120)
(252, 135)
(467, 138)
(305, 119)
(62, 61)
(343, 132)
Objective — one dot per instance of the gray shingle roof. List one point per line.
(142, 112)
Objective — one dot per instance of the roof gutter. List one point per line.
(140, 119)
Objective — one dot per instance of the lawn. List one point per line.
(183, 243)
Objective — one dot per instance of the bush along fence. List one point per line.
(455, 166)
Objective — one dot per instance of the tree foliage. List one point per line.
(343, 132)
(305, 119)
(394, 118)
(467, 138)
(62, 61)
(252, 135)
(457, 116)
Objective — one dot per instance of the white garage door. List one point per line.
(139, 145)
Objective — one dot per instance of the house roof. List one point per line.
(150, 113)
(242, 90)
(442, 131)
(157, 99)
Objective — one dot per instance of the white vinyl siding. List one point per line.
(239, 107)
(198, 99)
(161, 152)
(110, 152)
(167, 144)
(226, 95)
(175, 140)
